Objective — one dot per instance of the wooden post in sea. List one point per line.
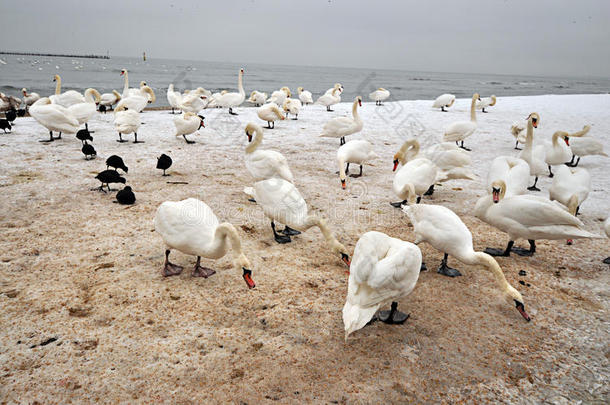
(144, 56)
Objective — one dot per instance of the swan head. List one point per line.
(201, 124)
(56, 78)
(287, 91)
(241, 71)
(251, 128)
(338, 248)
(25, 93)
(411, 145)
(300, 90)
(150, 92)
(116, 94)
(123, 72)
(493, 100)
(243, 263)
(498, 189)
(359, 100)
(142, 83)
(476, 96)
(535, 118)
(515, 296)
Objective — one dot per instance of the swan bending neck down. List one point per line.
(445, 231)
(264, 164)
(191, 227)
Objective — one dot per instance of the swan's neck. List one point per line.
(89, 97)
(240, 85)
(355, 111)
(555, 137)
(226, 232)
(473, 114)
(573, 204)
(529, 135)
(410, 147)
(126, 86)
(492, 265)
(334, 244)
(58, 86)
(342, 175)
(258, 139)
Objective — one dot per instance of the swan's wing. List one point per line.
(534, 211)
(337, 127)
(282, 201)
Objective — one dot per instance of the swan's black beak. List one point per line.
(360, 103)
(248, 278)
(249, 136)
(346, 259)
(521, 309)
(343, 184)
(395, 165)
(535, 122)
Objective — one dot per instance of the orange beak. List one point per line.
(346, 259)
(360, 103)
(343, 184)
(567, 140)
(248, 278)
(395, 165)
(496, 196)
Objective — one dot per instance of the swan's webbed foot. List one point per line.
(430, 190)
(356, 175)
(446, 270)
(500, 252)
(252, 200)
(393, 316)
(51, 139)
(526, 252)
(170, 269)
(342, 141)
(200, 271)
(533, 188)
(121, 140)
(289, 231)
(398, 204)
(606, 260)
(188, 141)
(551, 175)
(231, 112)
(465, 148)
(279, 238)
(423, 267)
(136, 138)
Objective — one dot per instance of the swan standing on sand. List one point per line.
(29, 98)
(584, 146)
(357, 151)
(191, 227)
(232, 100)
(67, 98)
(126, 121)
(264, 164)
(528, 217)
(445, 231)
(559, 153)
(279, 96)
(110, 99)
(282, 202)
(270, 113)
(341, 127)
(485, 102)
(292, 106)
(412, 180)
(571, 187)
(444, 101)
(331, 98)
(514, 172)
(257, 98)
(305, 96)
(85, 110)
(53, 117)
(383, 270)
(188, 123)
(460, 130)
(379, 95)
(174, 98)
(533, 154)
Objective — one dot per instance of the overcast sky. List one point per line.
(547, 37)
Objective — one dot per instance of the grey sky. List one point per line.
(492, 36)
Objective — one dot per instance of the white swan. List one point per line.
(341, 127)
(379, 95)
(67, 98)
(571, 186)
(533, 153)
(383, 270)
(337, 86)
(126, 121)
(305, 96)
(451, 162)
(292, 106)
(528, 217)
(357, 151)
(54, 117)
(29, 98)
(282, 202)
(144, 90)
(559, 153)
(264, 164)
(584, 145)
(191, 227)
(279, 96)
(174, 98)
(187, 123)
(485, 102)
(330, 99)
(192, 102)
(518, 130)
(445, 231)
(460, 130)
(257, 98)
(413, 180)
(444, 101)
(110, 99)
(514, 172)
(270, 113)
(232, 100)
(85, 110)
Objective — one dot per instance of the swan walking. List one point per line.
(357, 151)
(460, 130)
(232, 100)
(54, 117)
(379, 96)
(264, 164)
(305, 96)
(341, 127)
(527, 217)
(445, 231)
(191, 227)
(383, 270)
(444, 101)
(187, 123)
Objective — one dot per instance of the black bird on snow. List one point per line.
(107, 177)
(4, 125)
(126, 196)
(164, 162)
(88, 150)
(116, 162)
(11, 115)
(84, 135)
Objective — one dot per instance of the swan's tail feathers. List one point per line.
(250, 191)
(455, 173)
(567, 232)
(356, 317)
(582, 132)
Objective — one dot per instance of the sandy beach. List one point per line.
(87, 316)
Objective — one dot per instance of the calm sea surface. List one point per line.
(36, 73)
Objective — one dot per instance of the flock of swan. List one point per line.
(382, 269)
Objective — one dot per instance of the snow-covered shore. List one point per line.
(76, 267)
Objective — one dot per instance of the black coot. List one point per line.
(126, 196)
(116, 162)
(107, 177)
(164, 162)
(88, 150)
(11, 115)
(4, 125)
(84, 135)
